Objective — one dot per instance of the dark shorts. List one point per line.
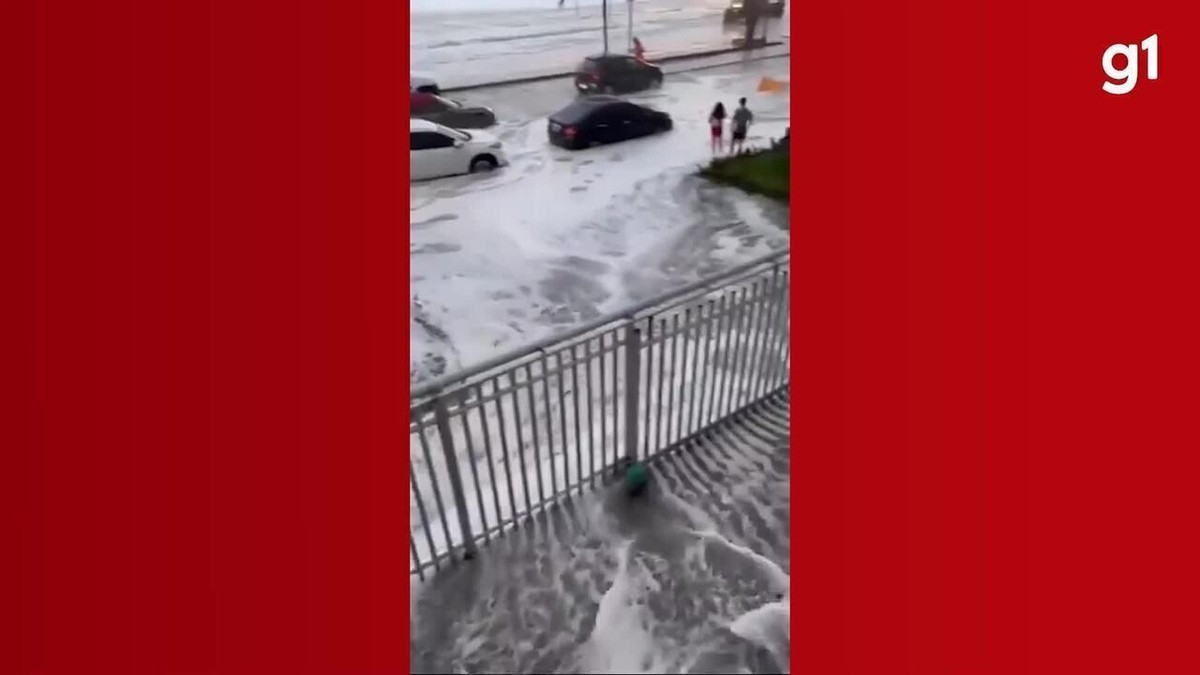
(739, 134)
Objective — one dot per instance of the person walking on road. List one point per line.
(742, 117)
(716, 125)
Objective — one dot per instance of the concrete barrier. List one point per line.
(666, 58)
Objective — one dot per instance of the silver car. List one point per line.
(449, 113)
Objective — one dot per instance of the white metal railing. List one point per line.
(507, 438)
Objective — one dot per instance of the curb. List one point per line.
(669, 58)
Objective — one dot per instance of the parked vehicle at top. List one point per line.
(600, 120)
(736, 11)
(436, 151)
(616, 73)
(423, 83)
(449, 113)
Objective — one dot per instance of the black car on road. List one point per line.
(616, 73)
(443, 111)
(736, 11)
(600, 120)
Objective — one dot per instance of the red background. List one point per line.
(995, 338)
(210, 337)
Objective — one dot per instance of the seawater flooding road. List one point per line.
(561, 237)
(472, 41)
(692, 577)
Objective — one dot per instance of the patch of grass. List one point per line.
(764, 172)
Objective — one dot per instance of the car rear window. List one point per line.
(574, 113)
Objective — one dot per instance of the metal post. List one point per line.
(604, 12)
(442, 418)
(633, 368)
(630, 3)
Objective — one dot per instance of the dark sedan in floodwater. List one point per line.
(600, 120)
(443, 111)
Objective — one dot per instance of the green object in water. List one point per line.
(636, 477)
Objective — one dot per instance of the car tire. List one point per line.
(483, 163)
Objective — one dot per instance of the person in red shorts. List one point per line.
(716, 124)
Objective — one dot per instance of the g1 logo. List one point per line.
(1125, 79)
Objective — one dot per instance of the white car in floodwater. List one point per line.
(436, 151)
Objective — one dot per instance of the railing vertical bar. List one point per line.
(787, 342)
(508, 473)
(516, 400)
(728, 363)
(691, 376)
(756, 352)
(533, 434)
(680, 416)
(474, 464)
(778, 295)
(487, 449)
(777, 333)
(633, 352)
(591, 412)
(425, 526)
(562, 429)
(698, 406)
(549, 429)
(647, 381)
(433, 481)
(744, 325)
(711, 393)
(662, 361)
(420, 569)
(766, 334)
(616, 388)
(456, 482)
(603, 406)
(578, 423)
(672, 404)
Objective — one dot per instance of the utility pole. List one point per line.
(631, 25)
(604, 11)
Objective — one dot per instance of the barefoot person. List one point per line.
(742, 117)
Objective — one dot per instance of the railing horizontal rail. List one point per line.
(500, 442)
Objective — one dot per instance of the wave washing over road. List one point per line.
(562, 237)
(471, 41)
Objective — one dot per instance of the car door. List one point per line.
(420, 162)
(445, 155)
(602, 126)
(433, 155)
(629, 121)
(617, 74)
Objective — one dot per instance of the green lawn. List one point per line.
(764, 172)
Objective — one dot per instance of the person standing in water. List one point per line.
(716, 125)
(742, 117)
